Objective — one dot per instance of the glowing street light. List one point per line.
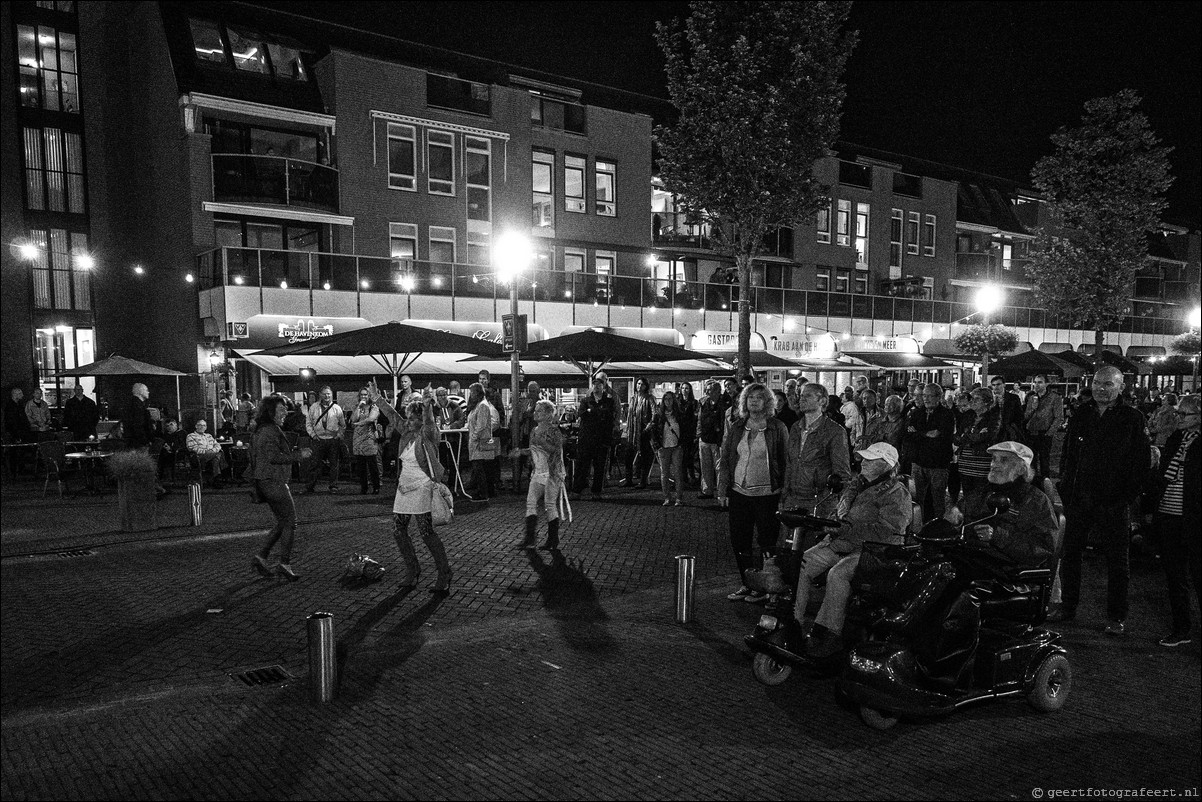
(512, 255)
(1195, 318)
(28, 251)
(989, 299)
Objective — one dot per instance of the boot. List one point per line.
(412, 566)
(443, 583)
(552, 536)
(531, 534)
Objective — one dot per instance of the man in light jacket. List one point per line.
(325, 425)
(1042, 413)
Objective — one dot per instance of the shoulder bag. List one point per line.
(442, 503)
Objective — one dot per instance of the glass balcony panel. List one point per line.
(769, 300)
(247, 178)
(627, 290)
(861, 307)
(816, 303)
(903, 309)
(274, 267)
(922, 311)
(882, 308)
(839, 305)
(243, 266)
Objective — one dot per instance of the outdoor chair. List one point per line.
(51, 462)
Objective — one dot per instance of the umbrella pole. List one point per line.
(177, 397)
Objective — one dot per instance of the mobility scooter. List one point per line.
(966, 629)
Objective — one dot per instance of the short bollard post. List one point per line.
(322, 666)
(685, 566)
(194, 502)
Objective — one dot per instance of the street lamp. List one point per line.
(988, 300)
(512, 256)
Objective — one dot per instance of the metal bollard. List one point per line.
(686, 565)
(323, 669)
(194, 501)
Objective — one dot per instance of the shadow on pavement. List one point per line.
(571, 600)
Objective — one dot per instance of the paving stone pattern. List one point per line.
(536, 678)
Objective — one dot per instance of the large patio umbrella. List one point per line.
(1030, 363)
(393, 346)
(124, 366)
(593, 349)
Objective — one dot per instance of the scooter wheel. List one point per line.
(768, 670)
(876, 719)
(1052, 683)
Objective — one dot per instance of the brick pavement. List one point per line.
(534, 679)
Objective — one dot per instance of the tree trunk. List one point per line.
(743, 263)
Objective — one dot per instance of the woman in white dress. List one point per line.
(417, 470)
(546, 481)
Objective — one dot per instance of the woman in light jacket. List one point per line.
(546, 480)
(364, 443)
(418, 469)
(271, 460)
(482, 447)
(751, 474)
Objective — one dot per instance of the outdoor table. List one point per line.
(454, 452)
(239, 450)
(88, 460)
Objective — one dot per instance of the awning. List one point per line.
(890, 361)
(367, 366)
(1055, 348)
(940, 347)
(1144, 351)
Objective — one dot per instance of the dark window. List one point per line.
(558, 114)
(443, 91)
(856, 175)
(905, 184)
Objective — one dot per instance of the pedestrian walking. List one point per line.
(418, 470)
(271, 460)
(751, 475)
(364, 443)
(546, 489)
(1105, 463)
(1179, 518)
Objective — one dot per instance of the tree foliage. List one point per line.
(1187, 343)
(1104, 185)
(986, 339)
(758, 93)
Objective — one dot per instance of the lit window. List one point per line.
(207, 42)
(402, 241)
(928, 240)
(895, 240)
(442, 244)
(573, 261)
(402, 153)
(573, 183)
(440, 162)
(249, 53)
(843, 223)
(912, 233)
(543, 217)
(286, 62)
(823, 223)
(49, 68)
(842, 279)
(606, 174)
(822, 279)
(604, 262)
(54, 178)
(60, 281)
(861, 282)
(862, 211)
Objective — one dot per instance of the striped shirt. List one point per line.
(1171, 503)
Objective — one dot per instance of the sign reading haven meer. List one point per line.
(268, 331)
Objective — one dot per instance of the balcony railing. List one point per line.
(246, 178)
(679, 229)
(316, 272)
(991, 267)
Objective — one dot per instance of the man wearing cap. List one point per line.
(874, 506)
(1028, 533)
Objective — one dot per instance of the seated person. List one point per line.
(447, 413)
(874, 507)
(1027, 534)
(174, 442)
(202, 444)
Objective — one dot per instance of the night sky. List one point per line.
(976, 85)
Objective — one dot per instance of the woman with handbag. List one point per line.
(667, 438)
(364, 445)
(639, 454)
(271, 462)
(546, 480)
(418, 473)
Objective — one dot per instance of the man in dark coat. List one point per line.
(1011, 407)
(598, 414)
(136, 422)
(1104, 466)
(80, 415)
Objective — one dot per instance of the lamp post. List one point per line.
(988, 300)
(512, 256)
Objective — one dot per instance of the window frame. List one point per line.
(543, 201)
(401, 176)
(843, 223)
(471, 149)
(897, 225)
(402, 232)
(574, 164)
(442, 238)
(863, 212)
(822, 222)
(603, 168)
(928, 232)
(822, 278)
(43, 75)
(446, 186)
(913, 228)
(55, 157)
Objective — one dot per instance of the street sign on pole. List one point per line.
(513, 333)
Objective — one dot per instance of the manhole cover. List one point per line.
(258, 677)
(76, 553)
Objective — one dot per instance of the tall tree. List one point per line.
(1104, 185)
(758, 92)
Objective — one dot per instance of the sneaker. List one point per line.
(1114, 629)
(1061, 614)
(738, 594)
(667, 502)
(1175, 640)
(679, 502)
(755, 597)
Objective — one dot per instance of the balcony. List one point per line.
(246, 178)
(992, 267)
(680, 230)
(318, 272)
(445, 92)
